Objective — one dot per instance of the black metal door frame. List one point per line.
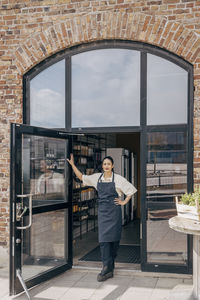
(17, 131)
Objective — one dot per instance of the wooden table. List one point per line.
(190, 227)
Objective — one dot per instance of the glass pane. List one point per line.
(167, 88)
(47, 97)
(106, 88)
(43, 169)
(44, 243)
(166, 178)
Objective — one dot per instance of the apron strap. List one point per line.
(100, 177)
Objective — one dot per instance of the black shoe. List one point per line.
(106, 273)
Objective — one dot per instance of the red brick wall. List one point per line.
(32, 30)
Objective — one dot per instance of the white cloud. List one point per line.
(47, 108)
(106, 88)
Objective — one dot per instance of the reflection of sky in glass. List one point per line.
(166, 92)
(47, 97)
(106, 88)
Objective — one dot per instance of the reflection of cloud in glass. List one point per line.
(47, 108)
(166, 92)
(106, 88)
(47, 97)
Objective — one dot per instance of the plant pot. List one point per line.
(188, 211)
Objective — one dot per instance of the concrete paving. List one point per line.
(81, 284)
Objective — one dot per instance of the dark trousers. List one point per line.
(109, 252)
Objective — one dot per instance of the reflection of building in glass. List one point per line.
(166, 162)
(166, 156)
(166, 172)
(50, 181)
(47, 166)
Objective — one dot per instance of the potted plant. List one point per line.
(188, 206)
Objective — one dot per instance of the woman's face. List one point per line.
(107, 165)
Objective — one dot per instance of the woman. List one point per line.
(109, 186)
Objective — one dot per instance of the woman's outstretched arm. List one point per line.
(75, 169)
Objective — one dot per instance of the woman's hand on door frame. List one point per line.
(71, 160)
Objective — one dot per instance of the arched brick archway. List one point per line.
(155, 30)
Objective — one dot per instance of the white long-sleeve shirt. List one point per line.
(122, 184)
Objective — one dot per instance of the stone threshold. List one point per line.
(124, 270)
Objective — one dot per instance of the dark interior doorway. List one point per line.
(88, 152)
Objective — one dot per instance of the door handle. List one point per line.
(18, 217)
(29, 196)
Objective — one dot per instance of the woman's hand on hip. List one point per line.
(119, 201)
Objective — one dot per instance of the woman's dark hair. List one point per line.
(110, 158)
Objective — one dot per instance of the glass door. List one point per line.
(40, 211)
(166, 170)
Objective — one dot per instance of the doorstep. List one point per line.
(123, 269)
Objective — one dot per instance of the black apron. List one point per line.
(109, 214)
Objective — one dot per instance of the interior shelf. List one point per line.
(88, 156)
